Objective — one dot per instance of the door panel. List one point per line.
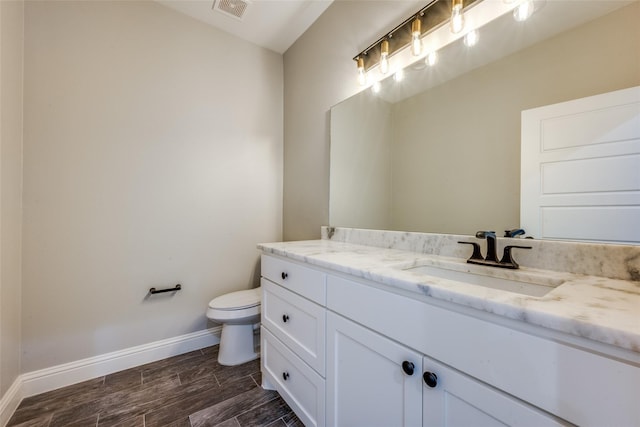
(367, 384)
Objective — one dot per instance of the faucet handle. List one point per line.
(507, 258)
(513, 233)
(485, 234)
(476, 250)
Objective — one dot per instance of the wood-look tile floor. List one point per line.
(188, 390)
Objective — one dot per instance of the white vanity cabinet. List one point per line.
(349, 352)
(374, 381)
(531, 375)
(293, 336)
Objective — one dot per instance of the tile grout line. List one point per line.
(217, 380)
(254, 380)
(289, 424)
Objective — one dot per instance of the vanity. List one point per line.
(393, 328)
(383, 328)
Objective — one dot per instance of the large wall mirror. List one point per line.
(439, 151)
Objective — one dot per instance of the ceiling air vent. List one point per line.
(232, 8)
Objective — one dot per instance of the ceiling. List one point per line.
(273, 24)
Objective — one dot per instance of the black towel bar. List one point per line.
(159, 291)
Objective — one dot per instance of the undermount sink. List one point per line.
(537, 287)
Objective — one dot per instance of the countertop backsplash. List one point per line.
(593, 259)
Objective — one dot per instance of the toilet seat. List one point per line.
(239, 300)
(236, 307)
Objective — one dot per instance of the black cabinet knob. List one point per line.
(285, 375)
(284, 275)
(408, 367)
(430, 379)
(285, 318)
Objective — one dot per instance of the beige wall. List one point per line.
(456, 148)
(319, 73)
(152, 156)
(11, 51)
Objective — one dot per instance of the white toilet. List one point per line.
(238, 312)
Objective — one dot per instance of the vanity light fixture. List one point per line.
(409, 34)
(471, 38)
(384, 56)
(457, 16)
(375, 87)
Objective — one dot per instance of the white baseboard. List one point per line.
(10, 401)
(48, 379)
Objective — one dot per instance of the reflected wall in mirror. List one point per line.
(440, 151)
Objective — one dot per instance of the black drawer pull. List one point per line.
(285, 318)
(285, 375)
(284, 275)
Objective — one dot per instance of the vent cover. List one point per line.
(232, 8)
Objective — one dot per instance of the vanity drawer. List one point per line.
(301, 387)
(297, 322)
(302, 280)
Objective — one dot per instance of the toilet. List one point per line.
(238, 312)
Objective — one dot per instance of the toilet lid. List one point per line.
(236, 300)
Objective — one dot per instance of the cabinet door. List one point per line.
(454, 399)
(369, 378)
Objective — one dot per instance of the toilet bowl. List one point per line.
(238, 312)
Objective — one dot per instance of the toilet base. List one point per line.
(236, 345)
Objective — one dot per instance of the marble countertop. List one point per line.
(592, 307)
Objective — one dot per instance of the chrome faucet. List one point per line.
(491, 259)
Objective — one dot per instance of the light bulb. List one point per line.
(399, 75)
(523, 11)
(384, 57)
(471, 38)
(362, 77)
(375, 87)
(416, 43)
(431, 59)
(457, 17)
(384, 64)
